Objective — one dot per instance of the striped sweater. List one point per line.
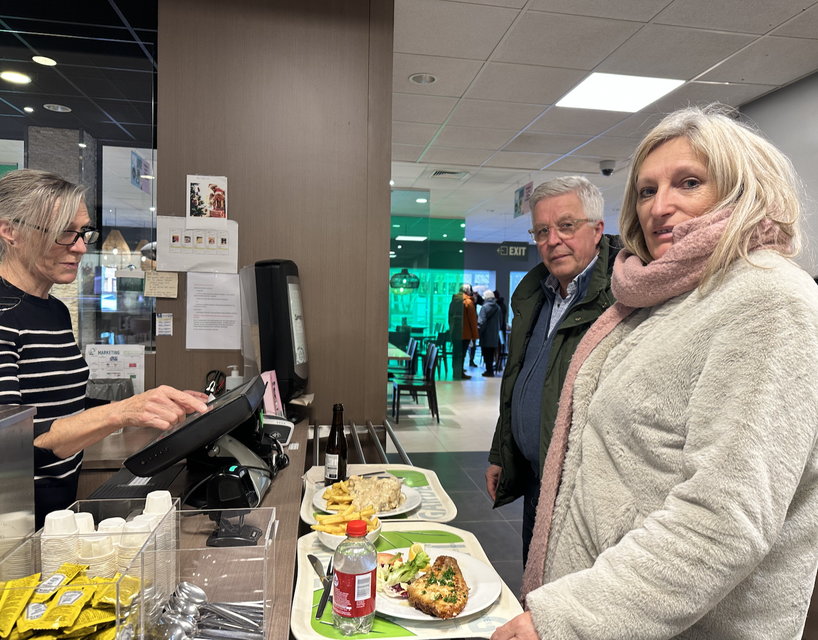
(41, 366)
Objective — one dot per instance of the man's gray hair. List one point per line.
(589, 195)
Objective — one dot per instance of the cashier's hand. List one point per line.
(521, 627)
(493, 479)
(161, 408)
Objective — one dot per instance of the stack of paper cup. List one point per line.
(112, 527)
(14, 527)
(85, 522)
(159, 504)
(134, 535)
(59, 541)
(99, 554)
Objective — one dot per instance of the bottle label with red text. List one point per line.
(353, 595)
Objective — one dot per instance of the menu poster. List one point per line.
(206, 202)
(209, 249)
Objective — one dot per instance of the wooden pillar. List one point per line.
(291, 100)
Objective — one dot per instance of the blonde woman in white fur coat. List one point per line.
(680, 492)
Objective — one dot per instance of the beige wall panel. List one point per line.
(291, 101)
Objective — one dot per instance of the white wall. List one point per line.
(789, 118)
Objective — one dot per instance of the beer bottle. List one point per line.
(335, 457)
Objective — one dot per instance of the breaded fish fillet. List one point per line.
(442, 592)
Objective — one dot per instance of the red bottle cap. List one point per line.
(356, 528)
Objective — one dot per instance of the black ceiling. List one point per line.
(106, 68)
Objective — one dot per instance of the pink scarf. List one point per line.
(635, 285)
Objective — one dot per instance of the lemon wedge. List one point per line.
(414, 550)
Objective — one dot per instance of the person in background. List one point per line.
(44, 232)
(488, 326)
(463, 327)
(478, 302)
(554, 305)
(501, 302)
(680, 491)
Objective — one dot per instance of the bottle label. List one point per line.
(353, 595)
(331, 466)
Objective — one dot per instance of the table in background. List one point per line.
(398, 354)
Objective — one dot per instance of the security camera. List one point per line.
(606, 167)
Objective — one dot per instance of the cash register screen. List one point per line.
(198, 430)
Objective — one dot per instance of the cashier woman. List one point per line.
(44, 232)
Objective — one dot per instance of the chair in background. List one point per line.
(399, 339)
(409, 367)
(442, 352)
(416, 385)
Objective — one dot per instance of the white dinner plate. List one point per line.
(483, 582)
(412, 501)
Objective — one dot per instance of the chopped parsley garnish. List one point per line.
(452, 598)
(448, 574)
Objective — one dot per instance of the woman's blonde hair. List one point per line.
(749, 174)
(40, 206)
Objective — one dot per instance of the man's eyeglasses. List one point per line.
(565, 229)
(69, 238)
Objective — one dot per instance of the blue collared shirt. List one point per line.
(527, 397)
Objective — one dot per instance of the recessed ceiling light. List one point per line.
(411, 238)
(422, 78)
(81, 145)
(461, 251)
(445, 235)
(421, 201)
(462, 225)
(614, 92)
(464, 239)
(400, 246)
(391, 183)
(13, 76)
(58, 108)
(28, 109)
(397, 226)
(152, 209)
(48, 62)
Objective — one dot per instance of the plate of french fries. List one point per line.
(338, 499)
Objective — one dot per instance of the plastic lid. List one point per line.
(356, 528)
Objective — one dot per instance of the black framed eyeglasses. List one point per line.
(69, 238)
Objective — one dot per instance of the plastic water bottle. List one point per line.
(353, 582)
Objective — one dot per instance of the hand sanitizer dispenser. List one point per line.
(234, 379)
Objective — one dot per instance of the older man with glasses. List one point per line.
(554, 305)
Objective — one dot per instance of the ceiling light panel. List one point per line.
(614, 92)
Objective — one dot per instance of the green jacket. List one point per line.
(526, 303)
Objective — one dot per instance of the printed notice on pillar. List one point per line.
(213, 311)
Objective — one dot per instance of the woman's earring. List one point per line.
(11, 242)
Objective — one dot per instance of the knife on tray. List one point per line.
(325, 597)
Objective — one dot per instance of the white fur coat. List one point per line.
(688, 506)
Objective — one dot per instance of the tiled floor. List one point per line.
(457, 450)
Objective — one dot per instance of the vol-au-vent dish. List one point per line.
(387, 496)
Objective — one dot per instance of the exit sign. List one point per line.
(514, 251)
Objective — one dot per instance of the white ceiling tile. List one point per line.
(546, 142)
(406, 170)
(409, 107)
(636, 125)
(803, 25)
(609, 147)
(524, 83)
(413, 133)
(745, 16)
(577, 164)
(474, 137)
(494, 115)
(770, 60)
(509, 160)
(662, 51)
(453, 74)
(452, 29)
(558, 40)
(515, 4)
(589, 122)
(638, 10)
(447, 155)
(497, 176)
(406, 152)
(701, 93)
